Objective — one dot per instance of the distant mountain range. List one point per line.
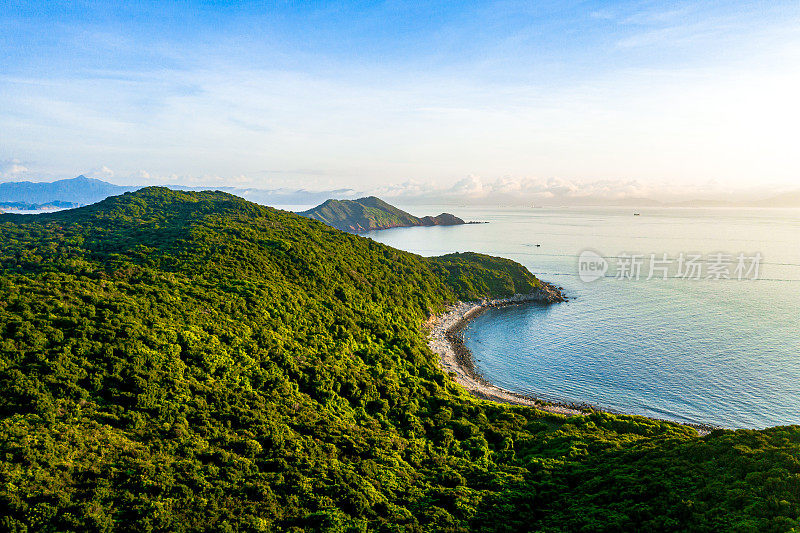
(790, 199)
(83, 191)
(372, 213)
(78, 191)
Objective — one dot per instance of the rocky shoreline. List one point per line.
(446, 339)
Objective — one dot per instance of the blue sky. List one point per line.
(639, 96)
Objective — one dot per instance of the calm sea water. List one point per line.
(718, 351)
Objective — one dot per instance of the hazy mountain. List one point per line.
(290, 196)
(49, 206)
(80, 190)
(788, 199)
(83, 191)
(372, 213)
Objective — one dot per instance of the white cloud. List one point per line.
(471, 186)
(103, 172)
(13, 169)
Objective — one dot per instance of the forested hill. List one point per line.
(372, 213)
(181, 361)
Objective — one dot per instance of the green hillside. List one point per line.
(179, 361)
(372, 213)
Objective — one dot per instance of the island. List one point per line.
(371, 213)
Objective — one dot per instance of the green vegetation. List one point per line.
(192, 361)
(372, 213)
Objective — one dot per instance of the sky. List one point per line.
(471, 99)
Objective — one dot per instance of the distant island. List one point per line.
(48, 206)
(372, 213)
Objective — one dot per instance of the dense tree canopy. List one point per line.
(192, 361)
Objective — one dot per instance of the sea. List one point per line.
(683, 314)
